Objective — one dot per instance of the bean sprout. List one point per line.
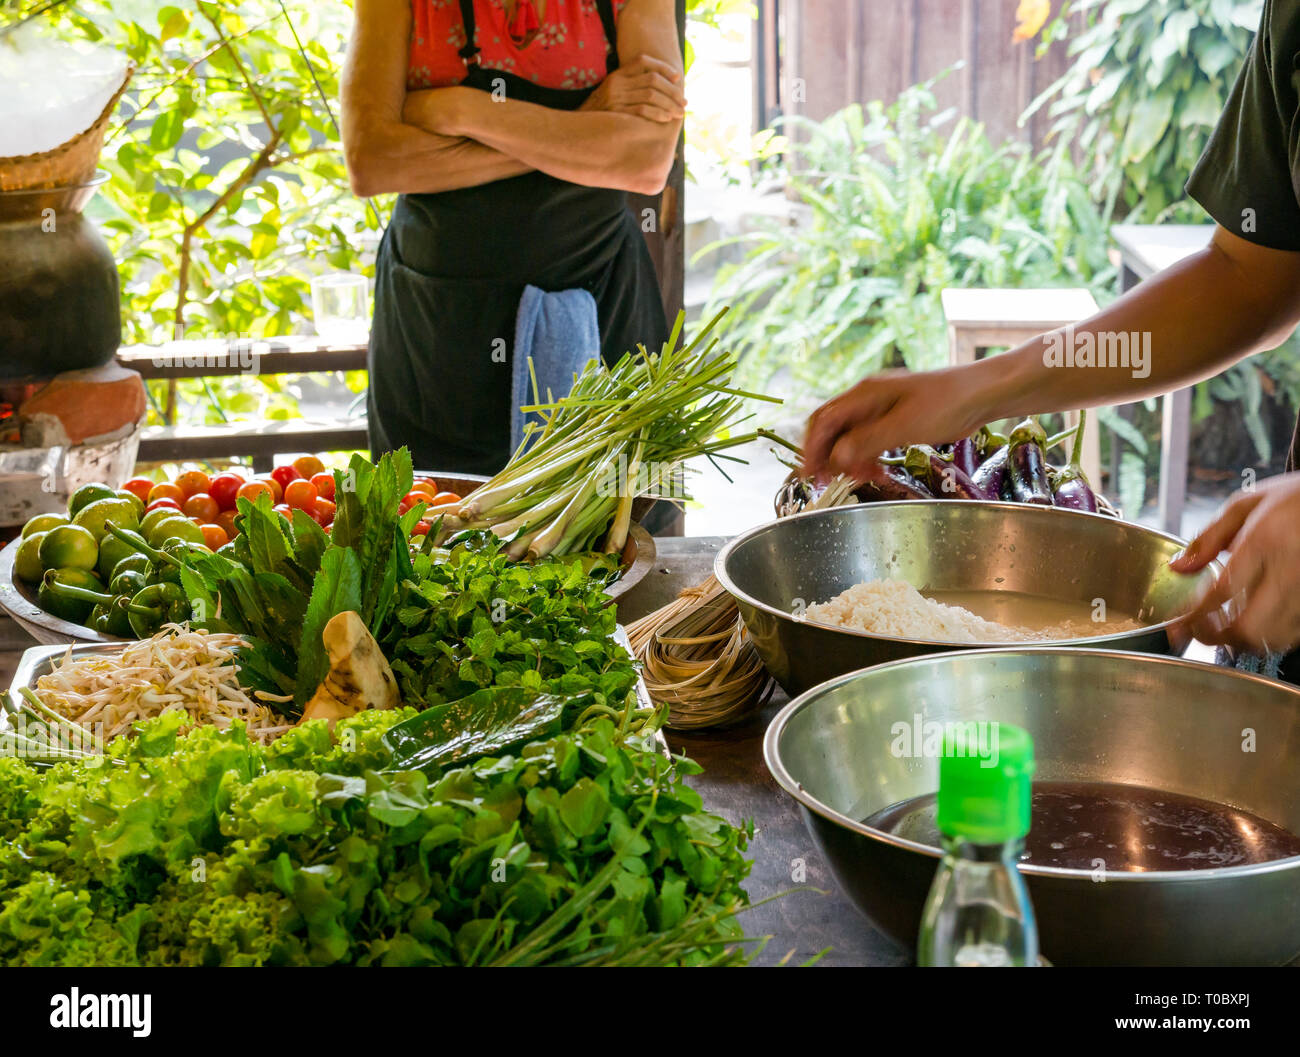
(177, 669)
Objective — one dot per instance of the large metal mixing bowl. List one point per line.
(1095, 715)
(942, 545)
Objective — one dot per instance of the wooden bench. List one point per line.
(981, 319)
(261, 441)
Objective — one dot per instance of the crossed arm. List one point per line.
(439, 139)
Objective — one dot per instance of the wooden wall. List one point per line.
(844, 51)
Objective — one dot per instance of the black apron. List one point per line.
(450, 273)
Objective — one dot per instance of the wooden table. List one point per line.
(1144, 250)
(736, 784)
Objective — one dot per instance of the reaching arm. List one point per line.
(1203, 314)
(629, 148)
(384, 154)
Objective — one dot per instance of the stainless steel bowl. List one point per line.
(1095, 715)
(941, 545)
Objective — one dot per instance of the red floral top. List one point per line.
(555, 43)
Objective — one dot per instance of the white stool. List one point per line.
(990, 318)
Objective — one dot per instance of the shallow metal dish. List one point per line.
(19, 601)
(941, 545)
(638, 555)
(1095, 715)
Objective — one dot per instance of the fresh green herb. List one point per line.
(284, 580)
(477, 619)
(206, 849)
(488, 721)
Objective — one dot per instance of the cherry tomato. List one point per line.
(202, 506)
(426, 486)
(324, 483)
(224, 488)
(443, 498)
(252, 489)
(166, 490)
(422, 528)
(214, 536)
(413, 497)
(140, 487)
(277, 489)
(171, 504)
(226, 519)
(284, 510)
(301, 494)
(192, 482)
(285, 474)
(325, 507)
(308, 466)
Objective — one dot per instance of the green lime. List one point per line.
(111, 551)
(154, 516)
(69, 547)
(181, 528)
(133, 499)
(94, 515)
(45, 522)
(87, 494)
(27, 558)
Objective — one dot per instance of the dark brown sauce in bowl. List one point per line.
(1118, 828)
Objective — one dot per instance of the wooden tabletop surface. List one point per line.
(736, 784)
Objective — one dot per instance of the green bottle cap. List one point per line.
(984, 782)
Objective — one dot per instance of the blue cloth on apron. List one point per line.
(557, 334)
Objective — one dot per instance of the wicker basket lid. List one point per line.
(70, 164)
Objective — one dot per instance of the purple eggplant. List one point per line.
(893, 482)
(965, 456)
(992, 472)
(988, 442)
(1072, 488)
(1027, 464)
(945, 479)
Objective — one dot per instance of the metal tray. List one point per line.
(37, 661)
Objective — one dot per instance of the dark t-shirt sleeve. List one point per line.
(1248, 179)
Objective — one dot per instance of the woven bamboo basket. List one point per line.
(67, 165)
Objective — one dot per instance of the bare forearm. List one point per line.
(396, 158)
(1182, 326)
(593, 148)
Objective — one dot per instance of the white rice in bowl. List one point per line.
(896, 609)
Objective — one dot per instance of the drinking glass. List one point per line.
(341, 308)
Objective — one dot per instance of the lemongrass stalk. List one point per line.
(518, 548)
(482, 500)
(554, 533)
(627, 495)
(586, 529)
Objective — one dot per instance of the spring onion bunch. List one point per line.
(570, 486)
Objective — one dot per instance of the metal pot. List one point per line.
(1095, 715)
(942, 545)
(59, 298)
